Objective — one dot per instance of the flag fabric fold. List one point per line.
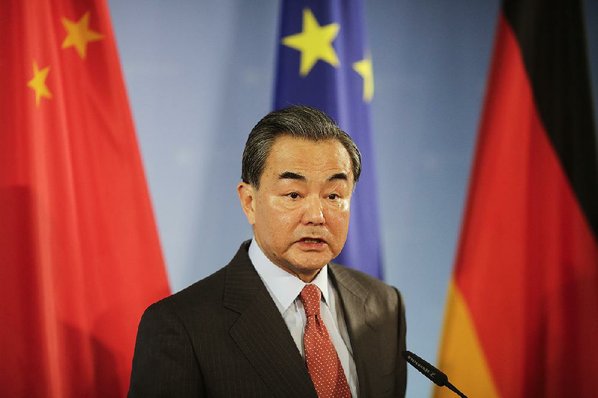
(323, 61)
(80, 257)
(522, 305)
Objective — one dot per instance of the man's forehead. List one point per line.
(308, 155)
(307, 149)
(285, 138)
(297, 158)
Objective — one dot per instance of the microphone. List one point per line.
(430, 372)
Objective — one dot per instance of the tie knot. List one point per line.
(310, 297)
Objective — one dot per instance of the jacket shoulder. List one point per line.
(372, 290)
(207, 294)
(343, 274)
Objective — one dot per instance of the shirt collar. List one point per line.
(283, 286)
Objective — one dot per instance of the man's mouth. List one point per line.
(312, 240)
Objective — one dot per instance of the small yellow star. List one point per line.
(79, 34)
(364, 68)
(38, 83)
(314, 42)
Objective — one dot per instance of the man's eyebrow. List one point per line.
(291, 176)
(339, 176)
(296, 176)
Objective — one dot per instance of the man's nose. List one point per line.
(314, 212)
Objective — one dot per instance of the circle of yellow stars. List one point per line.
(79, 35)
(315, 44)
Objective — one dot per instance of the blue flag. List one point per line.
(323, 62)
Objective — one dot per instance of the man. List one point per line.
(281, 320)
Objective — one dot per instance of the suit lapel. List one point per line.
(261, 333)
(365, 345)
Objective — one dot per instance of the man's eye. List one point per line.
(333, 196)
(293, 195)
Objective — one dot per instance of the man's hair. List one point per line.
(297, 121)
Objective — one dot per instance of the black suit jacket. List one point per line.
(224, 337)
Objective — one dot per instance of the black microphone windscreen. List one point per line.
(425, 368)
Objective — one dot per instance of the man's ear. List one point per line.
(247, 198)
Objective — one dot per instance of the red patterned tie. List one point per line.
(323, 364)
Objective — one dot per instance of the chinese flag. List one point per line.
(522, 315)
(79, 252)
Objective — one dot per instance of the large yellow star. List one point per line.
(364, 68)
(38, 83)
(314, 42)
(79, 34)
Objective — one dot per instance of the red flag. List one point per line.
(79, 253)
(522, 313)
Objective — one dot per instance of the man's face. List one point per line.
(300, 213)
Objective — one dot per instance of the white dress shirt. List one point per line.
(284, 288)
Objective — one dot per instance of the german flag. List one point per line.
(522, 311)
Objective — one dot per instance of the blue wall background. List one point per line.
(200, 74)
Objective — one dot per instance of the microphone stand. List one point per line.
(454, 389)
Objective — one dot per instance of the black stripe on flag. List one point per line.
(552, 40)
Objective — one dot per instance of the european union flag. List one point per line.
(323, 62)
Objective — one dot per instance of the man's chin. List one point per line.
(311, 262)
